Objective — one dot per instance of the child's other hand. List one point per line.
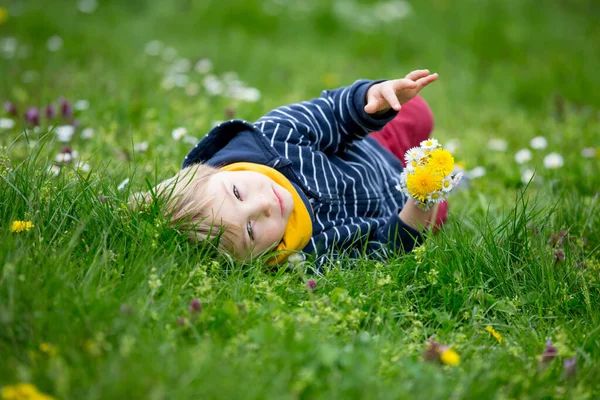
(392, 94)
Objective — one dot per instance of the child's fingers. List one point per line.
(417, 74)
(374, 105)
(422, 82)
(389, 94)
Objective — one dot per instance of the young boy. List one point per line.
(309, 177)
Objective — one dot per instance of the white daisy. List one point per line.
(54, 169)
(522, 156)
(6, 123)
(457, 178)
(87, 6)
(413, 154)
(140, 147)
(411, 166)
(81, 105)
(538, 143)
(153, 48)
(447, 184)
(64, 133)
(436, 197)
(588, 152)
(63, 157)
(430, 144)
(83, 166)
(179, 133)
(123, 184)
(497, 144)
(527, 176)
(54, 43)
(203, 66)
(476, 172)
(87, 133)
(553, 161)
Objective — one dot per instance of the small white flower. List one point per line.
(6, 123)
(8, 46)
(452, 145)
(251, 95)
(181, 65)
(87, 6)
(190, 140)
(74, 154)
(54, 43)
(213, 85)
(414, 154)
(527, 176)
(553, 161)
(181, 80)
(457, 178)
(436, 197)
(447, 184)
(430, 144)
(64, 133)
(81, 105)
(123, 184)
(179, 133)
(63, 157)
(140, 147)
(83, 166)
(169, 54)
(497, 145)
(522, 156)
(87, 133)
(54, 170)
(538, 143)
(476, 172)
(204, 66)
(411, 166)
(153, 47)
(588, 152)
(168, 82)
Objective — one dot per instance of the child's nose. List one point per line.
(265, 206)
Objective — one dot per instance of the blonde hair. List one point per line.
(185, 204)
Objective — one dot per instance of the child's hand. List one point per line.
(391, 94)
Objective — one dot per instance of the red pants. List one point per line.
(412, 125)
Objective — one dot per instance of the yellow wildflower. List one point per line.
(3, 15)
(422, 182)
(23, 391)
(495, 334)
(441, 161)
(21, 226)
(450, 357)
(48, 349)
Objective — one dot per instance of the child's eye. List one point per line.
(236, 193)
(250, 231)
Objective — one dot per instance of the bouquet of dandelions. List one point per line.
(428, 176)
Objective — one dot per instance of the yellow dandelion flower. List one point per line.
(21, 226)
(450, 357)
(3, 15)
(493, 332)
(441, 161)
(48, 349)
(422, 182)
(23, 391)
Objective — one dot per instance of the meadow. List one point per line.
(102, 98)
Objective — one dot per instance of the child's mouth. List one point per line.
(280, 201)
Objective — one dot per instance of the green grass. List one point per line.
(109, 290)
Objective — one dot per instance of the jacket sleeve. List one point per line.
(327, 122)
(396, 236)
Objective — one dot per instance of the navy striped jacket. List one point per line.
(322, 147)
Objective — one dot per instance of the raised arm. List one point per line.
(344, 114)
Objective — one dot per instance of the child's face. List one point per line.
(255, 204)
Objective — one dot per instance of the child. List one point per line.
(308, 177)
